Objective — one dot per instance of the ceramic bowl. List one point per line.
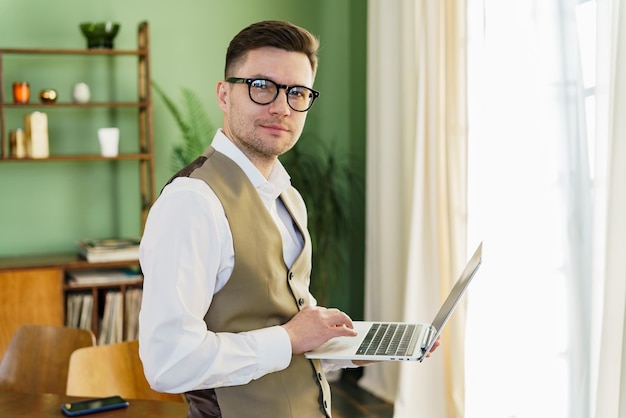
(99, 34)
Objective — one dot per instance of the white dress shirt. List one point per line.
(186, 256)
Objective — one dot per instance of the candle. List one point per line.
(21, 92)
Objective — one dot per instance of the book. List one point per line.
(133, 305)
(105, 321)
(79, 310)
(112, 319)
(86, 313)
(114, 249)
(73, 310)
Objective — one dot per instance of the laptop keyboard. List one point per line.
(389, 340)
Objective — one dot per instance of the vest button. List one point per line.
(319, 376)
(291, 276)
(325, 404)
(300, 301)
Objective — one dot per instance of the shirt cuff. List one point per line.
(274, 349)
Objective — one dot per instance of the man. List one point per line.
(226, 313)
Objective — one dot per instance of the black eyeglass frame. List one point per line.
(249, 81)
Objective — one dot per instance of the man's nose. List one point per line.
(280, 105)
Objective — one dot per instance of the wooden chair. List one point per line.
(38, 356)
(112, 369)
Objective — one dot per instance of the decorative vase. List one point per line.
(80, 93)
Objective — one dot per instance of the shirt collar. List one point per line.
(278, 181)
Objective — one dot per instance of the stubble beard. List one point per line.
(265, 147)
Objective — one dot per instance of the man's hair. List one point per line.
(271, 33)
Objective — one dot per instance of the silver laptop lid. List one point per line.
(454, 296)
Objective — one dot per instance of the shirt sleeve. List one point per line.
(186, 255)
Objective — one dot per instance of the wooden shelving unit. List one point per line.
(15, 269)
(143, 104)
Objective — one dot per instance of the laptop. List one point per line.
(398, 341)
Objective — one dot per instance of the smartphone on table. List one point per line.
(90, 406)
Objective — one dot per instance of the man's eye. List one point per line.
(299, 93)
(259, 84)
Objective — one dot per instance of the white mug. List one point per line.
(109, 141)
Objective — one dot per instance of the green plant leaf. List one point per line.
(193, 123)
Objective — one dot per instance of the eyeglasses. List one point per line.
(263, 91)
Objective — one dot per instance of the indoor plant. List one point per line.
(193, 122)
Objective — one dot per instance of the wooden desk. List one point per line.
(37, 405)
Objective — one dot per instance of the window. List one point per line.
(530, 109)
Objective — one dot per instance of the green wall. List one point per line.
(47, 207)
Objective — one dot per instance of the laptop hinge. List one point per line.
(426, 337)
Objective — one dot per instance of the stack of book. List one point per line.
(102, 276)
(106, 250)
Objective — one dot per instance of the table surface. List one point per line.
(45, 405)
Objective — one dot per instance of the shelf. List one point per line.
(63, 51)
(76, 105)
(83, 157)
(65, 261)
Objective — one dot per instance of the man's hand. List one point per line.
(314, 325)
(434, 347)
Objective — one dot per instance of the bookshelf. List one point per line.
(52, 270)
(36, 290)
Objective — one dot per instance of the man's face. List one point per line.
(263, 132)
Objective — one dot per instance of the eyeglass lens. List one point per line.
(265, 92)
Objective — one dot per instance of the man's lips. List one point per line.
(275, 127)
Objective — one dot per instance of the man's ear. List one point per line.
(222, 94)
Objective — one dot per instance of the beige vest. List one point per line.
(261, 292)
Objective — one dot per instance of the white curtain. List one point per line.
(529, 193)
(552, 294)
(544, 339)
(610, 379)
(416, 186)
